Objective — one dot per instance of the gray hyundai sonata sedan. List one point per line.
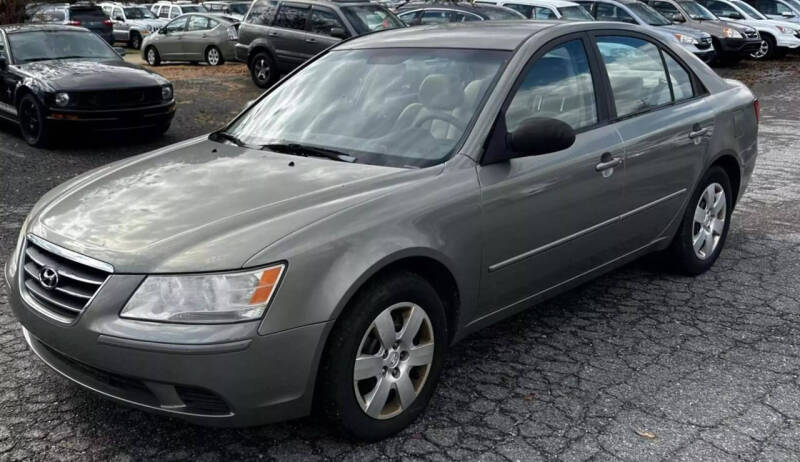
(391, 196)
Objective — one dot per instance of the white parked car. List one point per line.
(170, 10)
(778, 37)
(235, 10)
(545, 9)
(132, 23)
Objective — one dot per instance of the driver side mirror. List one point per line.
(677, 17)
(3, 63)
(338, 32)
(540, 135)
(735, 15)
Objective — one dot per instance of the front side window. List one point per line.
(609, 12)
(680, 79)
(370, 18)
(557, 86)
(28, 47)
(752, 12)
(525, 10)
(781, 8)
(720, 8)
(175, 26)
(117, 15)
(575, 13)
(636, 73)
(292, 16)
(404, 107)
(649, 15)
(3, 53)
(665, 8)
(262, 13)
(324, 20)
(544, 13)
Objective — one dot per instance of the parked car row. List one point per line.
(398, 192)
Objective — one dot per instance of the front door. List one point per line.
(195, 39)
(323, 22)
(553, 217)
(288, 34)
(7, 83)
(665, 124)
(170, 47)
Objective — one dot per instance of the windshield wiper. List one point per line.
(309, 151)
(225, 136)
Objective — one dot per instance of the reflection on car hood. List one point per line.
(683, 30)
(75, 74)
(201, 205)
(150, 24)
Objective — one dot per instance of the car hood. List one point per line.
(201, 205)
(775, 23)
(683, 30)
(151, 24)
(81, 75)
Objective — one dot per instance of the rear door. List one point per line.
(551, 218)
(288, 34)
(322, 23)
(661, 114)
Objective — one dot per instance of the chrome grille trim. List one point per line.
(79, 280)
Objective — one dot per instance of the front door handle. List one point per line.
(698, 133)
(311, 40)
(272, 34)
(607, 164)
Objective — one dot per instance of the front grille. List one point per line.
(115, 99)
(66, 295)
(704, 43)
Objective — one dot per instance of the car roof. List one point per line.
(487, 35)
(477, 8)
(554, 3)
(49, 27)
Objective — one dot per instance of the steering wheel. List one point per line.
(447, 118)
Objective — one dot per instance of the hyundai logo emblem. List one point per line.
(48, 277)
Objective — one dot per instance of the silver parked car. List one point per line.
(193, 37)
(394, 194)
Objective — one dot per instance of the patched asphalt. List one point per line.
(638, 365)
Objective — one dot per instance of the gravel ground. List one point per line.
(638, 365)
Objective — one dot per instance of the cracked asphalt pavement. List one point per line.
(639, 365)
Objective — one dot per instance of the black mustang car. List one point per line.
(54, 77)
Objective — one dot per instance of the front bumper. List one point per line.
(219, 375)
(113, 120)
(739, 47)
(787, 41)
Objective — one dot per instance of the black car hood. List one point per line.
(75, 75)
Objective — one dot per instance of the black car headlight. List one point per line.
(61, 99)
(166, 92)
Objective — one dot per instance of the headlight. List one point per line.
(205, 299)
(61, 99)
(785, 30)
(685, 39)
(731, 33)
(166, 92)
(14, 260)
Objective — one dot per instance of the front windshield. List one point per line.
(403, 107)
(499, 13)
(371, 18)
(649, 15)
(697, 11)
(575, 12)
(239, 8)
(33, 46)
(795, 4)
(138, 12)
(193, 9)
(752, 12)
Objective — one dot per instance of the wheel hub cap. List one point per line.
(709, 221)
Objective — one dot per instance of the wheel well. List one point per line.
(440, 278)
(767, 35)
(21, 94)
(731, 167)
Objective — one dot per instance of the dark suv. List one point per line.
(85, 15)
(278, 35)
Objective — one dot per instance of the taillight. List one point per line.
(232, 33)
(757, 108)
(74, 22)
(108, 22)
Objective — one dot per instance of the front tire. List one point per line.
(152, 57)
(383, 357)
(214, 56)
(263, 70)
(704, 228)
(767, 50)
(32, 122)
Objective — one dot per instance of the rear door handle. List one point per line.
(698, 133)
(607, 164)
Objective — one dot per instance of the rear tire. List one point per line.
(399, 364)
(135, 41)
(263, 70)
(152, 57)
(32, 122)
(704, 228)
(214, 56)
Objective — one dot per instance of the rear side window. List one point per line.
(324, 20)
(680, 79)
(559, 86)
(544, 13)
(526, 10)
(262, 13)
(435, 17)
(197, 23)
(292, 16)
(411, 18)
(608, 12)
(370, 18)
(636, 73)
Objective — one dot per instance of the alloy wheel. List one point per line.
(213, 57)
(393, 360)
(709, 221)
(30, 120)
(762, 51)
(136, 42)
(261, 69)
(151, 57)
